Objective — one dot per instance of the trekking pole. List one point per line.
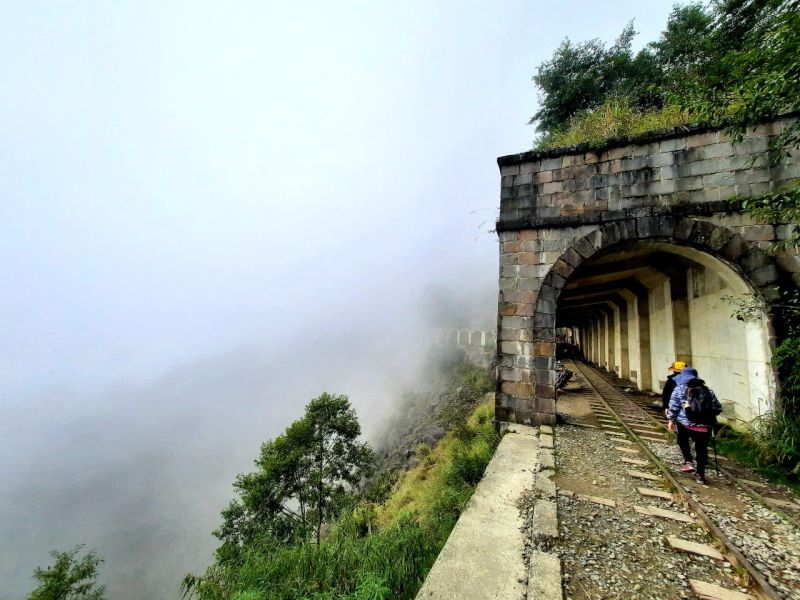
(714, 446)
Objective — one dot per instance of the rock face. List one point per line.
(630, 252)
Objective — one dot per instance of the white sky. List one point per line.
(193, 193)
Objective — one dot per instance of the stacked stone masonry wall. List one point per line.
(553, 205)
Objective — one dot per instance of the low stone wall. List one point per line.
(478, 345)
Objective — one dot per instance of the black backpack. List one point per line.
(700, 405)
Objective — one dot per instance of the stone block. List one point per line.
(509, 170)
(506, 335)
(752, 176)
(751, 146)
(663, 186)
(704, 167)
(545, 487)
(753, 259)
(758, 233)
(548, 292)
(591, 158)
(544, 576)
(507, 309)
(545, 405)
(563, 268)
(764, 275)
(543, 392)
(719, 238)
(527, 235)
(655, 227)
(544, 523)
(616, 153)
(508, 284)
(702, 139)
(520, 180)
(545, 376)
(646, 149)
(544, 177)
(543, 320)
(511, 322)
(512, 374)
(703, 196)
(572, 258)
(550, 164)
(544, 349)
(718, 150)
(701, 233)
(726, 192)
(551, 188)
(511, 347)
(534, 271)
(660, 159)
(523, 389)
(508, 258)
(546, 306)
(683, 228)
(526, 310)
(734, 249)
(672, 145)
(718, 179)
(684, 184)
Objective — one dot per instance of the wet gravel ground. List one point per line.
(771, 544)
(615, 552)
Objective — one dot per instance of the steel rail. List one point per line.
(764, 587)
(748, 489)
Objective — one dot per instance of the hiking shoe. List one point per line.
(688, 468)
(701, 479)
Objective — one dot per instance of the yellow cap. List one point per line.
(677, 366)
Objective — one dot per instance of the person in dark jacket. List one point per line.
(694, 427)
(669, 386)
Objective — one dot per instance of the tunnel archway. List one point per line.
(639, 294)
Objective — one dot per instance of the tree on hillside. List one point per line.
(69, 578)
(581, 76)
(685, 45)
(302, 480)
(759, 79)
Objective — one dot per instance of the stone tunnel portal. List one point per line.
(635, 247)
(637, 306)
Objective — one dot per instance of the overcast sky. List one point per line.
(210, 213)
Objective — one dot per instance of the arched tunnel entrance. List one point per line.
(636, 306)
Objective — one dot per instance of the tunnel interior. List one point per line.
(636, 307)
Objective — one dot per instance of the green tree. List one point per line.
(70, 577)
(581, 76)
(685, 46)
(302, 480)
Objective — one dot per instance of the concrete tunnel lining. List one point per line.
(689, 245)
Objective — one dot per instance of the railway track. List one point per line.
(775, 499)
(633, 423)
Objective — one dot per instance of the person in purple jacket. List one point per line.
(692, 414)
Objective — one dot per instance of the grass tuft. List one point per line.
(615, 118)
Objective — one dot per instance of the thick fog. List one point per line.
(212, 212)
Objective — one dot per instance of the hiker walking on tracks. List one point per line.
(669, 386)
(692, 412)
